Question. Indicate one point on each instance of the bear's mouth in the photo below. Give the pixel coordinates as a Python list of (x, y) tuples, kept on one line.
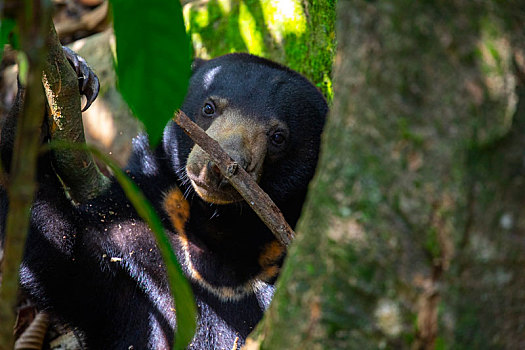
[(217, 192)]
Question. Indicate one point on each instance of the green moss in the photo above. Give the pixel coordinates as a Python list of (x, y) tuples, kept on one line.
[(407, 134), (432, 243), (298, 34), (252, 37), (214, 28)]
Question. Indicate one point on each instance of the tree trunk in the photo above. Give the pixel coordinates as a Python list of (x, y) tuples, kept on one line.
[(297, 33), (413, 234)]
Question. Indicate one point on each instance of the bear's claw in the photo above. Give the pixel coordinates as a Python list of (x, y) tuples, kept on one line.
[(88, 83)]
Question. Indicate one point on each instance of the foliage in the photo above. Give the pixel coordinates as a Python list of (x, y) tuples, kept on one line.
[(153, 60), (299, 34), (6, 28)]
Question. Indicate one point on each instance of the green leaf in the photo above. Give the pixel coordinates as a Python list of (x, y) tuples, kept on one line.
[(23, 67), (6, 27), (153, 60)]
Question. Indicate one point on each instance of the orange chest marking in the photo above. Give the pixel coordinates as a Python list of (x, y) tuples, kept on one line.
[(271, 253), (268, 260), (178, 209)]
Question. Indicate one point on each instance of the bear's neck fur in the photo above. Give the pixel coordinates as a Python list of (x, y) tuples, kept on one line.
[(230, 253)]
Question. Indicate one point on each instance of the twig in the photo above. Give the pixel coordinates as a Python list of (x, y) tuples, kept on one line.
[(260, 202), (89, 21)]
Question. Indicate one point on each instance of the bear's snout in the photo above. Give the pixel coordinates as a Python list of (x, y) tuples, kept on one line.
[(245, 146)]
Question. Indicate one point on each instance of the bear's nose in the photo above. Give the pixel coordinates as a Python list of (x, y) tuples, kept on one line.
[(213, 168)]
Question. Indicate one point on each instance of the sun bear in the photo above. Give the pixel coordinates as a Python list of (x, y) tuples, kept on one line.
[(95, 265)]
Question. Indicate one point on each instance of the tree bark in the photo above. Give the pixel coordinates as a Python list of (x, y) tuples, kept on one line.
[(412, 236), (76, 169)]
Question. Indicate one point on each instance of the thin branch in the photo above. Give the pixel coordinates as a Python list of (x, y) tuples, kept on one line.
[(33, 19), (90, 21), (239, 178)]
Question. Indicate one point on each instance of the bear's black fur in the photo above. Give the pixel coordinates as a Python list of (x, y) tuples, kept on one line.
[(96, 265)]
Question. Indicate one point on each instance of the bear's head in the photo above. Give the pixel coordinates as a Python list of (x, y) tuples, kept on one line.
[(267, 117)]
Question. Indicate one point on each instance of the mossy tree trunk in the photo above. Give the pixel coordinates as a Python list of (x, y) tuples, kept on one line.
[(297, 33), (413, 234)]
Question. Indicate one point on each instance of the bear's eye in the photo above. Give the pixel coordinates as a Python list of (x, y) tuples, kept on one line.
[(278, 138), (208, 109)]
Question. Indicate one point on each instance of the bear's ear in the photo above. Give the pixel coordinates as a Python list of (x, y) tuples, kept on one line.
[(197, 63)]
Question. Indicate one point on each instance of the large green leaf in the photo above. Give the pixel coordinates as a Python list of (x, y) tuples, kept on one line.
[(153, 59), (6, 27)]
